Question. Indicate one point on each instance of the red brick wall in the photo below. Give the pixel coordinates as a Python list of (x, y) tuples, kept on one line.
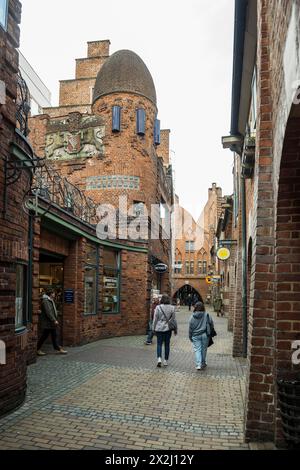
[(269, 341), (288, 257), (134, 302), (13, 225)]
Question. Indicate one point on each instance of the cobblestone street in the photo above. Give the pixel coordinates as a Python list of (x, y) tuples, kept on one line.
[(111, 395)]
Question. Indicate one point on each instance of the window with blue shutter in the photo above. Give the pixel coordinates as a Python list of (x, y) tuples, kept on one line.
[(157, 132), (140, 121), (116, 118)]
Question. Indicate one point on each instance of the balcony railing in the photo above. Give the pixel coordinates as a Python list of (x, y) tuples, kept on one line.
[(53, 188), (22, 105)]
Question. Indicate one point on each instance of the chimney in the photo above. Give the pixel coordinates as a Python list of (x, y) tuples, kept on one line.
[(163, 150), (98, 48)]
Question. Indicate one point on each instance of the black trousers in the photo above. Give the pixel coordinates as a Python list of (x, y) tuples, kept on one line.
[(45, 334)]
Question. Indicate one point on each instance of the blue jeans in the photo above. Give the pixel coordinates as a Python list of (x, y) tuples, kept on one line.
[(150, 333), (200, 344), (163, 337)]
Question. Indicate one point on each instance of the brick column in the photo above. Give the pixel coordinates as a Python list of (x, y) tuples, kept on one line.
[(260, 404), (73, 279)]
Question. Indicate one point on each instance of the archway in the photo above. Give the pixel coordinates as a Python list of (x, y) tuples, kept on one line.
[(183, 293), (287, 254)]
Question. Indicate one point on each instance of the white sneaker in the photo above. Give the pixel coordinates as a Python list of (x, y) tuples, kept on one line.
[(159, 362), (199, 368), (165, 363)]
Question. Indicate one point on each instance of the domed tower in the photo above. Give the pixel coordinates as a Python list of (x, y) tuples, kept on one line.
[(125, 99)]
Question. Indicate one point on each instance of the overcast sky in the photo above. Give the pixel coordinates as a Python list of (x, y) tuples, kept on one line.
[(187, 46)]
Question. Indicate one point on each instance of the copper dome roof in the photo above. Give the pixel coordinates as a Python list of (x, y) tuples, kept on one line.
[(124, 71)]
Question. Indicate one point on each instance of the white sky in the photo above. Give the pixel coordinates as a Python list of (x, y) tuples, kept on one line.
[(187, 46)]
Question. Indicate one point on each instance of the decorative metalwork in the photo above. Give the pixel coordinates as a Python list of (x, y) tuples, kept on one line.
[(49, 186), (22, 105)]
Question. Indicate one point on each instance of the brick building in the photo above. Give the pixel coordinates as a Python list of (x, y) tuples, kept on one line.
[(265, 139), (16, 165), (100, 146), (101, 150), (194, 249)]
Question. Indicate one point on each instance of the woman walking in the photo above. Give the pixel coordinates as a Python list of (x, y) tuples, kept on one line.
[(164, 322), (200, 327)]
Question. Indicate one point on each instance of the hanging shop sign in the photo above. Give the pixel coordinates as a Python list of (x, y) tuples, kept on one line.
[(161, 268), (223, 254), (208, 280), (227, 243)]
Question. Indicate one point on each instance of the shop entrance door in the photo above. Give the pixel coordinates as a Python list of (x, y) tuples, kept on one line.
[(52, 277)]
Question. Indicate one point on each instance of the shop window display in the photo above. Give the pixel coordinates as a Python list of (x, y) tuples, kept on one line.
[(111, 281)]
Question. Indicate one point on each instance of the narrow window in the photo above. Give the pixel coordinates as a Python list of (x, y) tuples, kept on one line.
[(138, 208), (140, 121), (200, 267), (187, 267), (111, 281), (204, 267), (157, 132), (192, 267), (116, 118), (21, 301), (3, 13), (90, 280)]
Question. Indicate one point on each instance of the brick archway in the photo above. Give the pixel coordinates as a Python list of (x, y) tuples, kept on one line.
[(186, 289), (287, 257)]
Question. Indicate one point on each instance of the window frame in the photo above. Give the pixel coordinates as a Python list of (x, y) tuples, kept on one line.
[(119, 277), (141, 122), (19, 327), (116, 118), (5, 10), (96, 266)]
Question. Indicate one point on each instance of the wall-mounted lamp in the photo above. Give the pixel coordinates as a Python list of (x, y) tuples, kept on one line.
[(232, 141)]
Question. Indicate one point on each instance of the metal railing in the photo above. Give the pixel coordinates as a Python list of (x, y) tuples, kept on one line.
[(53, 188)]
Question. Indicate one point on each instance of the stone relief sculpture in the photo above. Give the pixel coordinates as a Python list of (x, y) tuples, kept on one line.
[(76, 137)]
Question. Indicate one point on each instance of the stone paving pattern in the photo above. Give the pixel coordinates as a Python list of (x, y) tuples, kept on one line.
[(111, 395)]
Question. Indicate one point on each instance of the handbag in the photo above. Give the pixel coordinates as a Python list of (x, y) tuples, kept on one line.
[(212, 334), (171, 322)]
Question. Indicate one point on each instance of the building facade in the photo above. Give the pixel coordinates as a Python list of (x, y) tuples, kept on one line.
[(265, 141), (16, 169), (102, 165), (40, 95), (194, 259)]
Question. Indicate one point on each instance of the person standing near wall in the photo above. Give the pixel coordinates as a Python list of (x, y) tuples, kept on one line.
[(49, 323)]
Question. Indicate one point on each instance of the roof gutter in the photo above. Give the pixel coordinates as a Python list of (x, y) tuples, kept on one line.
[(238, 58)]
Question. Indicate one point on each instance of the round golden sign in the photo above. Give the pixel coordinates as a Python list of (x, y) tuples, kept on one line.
[(223, 254)]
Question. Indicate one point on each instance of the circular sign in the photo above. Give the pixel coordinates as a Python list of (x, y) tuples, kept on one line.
[(223, 254), (161, 268), (208, 280)]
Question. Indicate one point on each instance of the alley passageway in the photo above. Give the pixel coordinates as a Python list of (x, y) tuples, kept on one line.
[(111, 395)]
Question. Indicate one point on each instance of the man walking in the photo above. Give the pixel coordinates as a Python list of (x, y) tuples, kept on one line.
[(49, 323)]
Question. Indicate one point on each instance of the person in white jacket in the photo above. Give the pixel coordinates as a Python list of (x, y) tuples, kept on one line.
[(163, 321)]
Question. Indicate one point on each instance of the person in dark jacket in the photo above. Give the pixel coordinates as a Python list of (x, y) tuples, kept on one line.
[(49, 323), (200, 327), (190, 301)]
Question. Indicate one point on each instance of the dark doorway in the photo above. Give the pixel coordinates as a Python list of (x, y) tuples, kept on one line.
[(51, 276), (186, 292)]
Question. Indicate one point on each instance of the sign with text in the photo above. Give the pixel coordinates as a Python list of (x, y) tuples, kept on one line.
[(161, 268), (69, 296)]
